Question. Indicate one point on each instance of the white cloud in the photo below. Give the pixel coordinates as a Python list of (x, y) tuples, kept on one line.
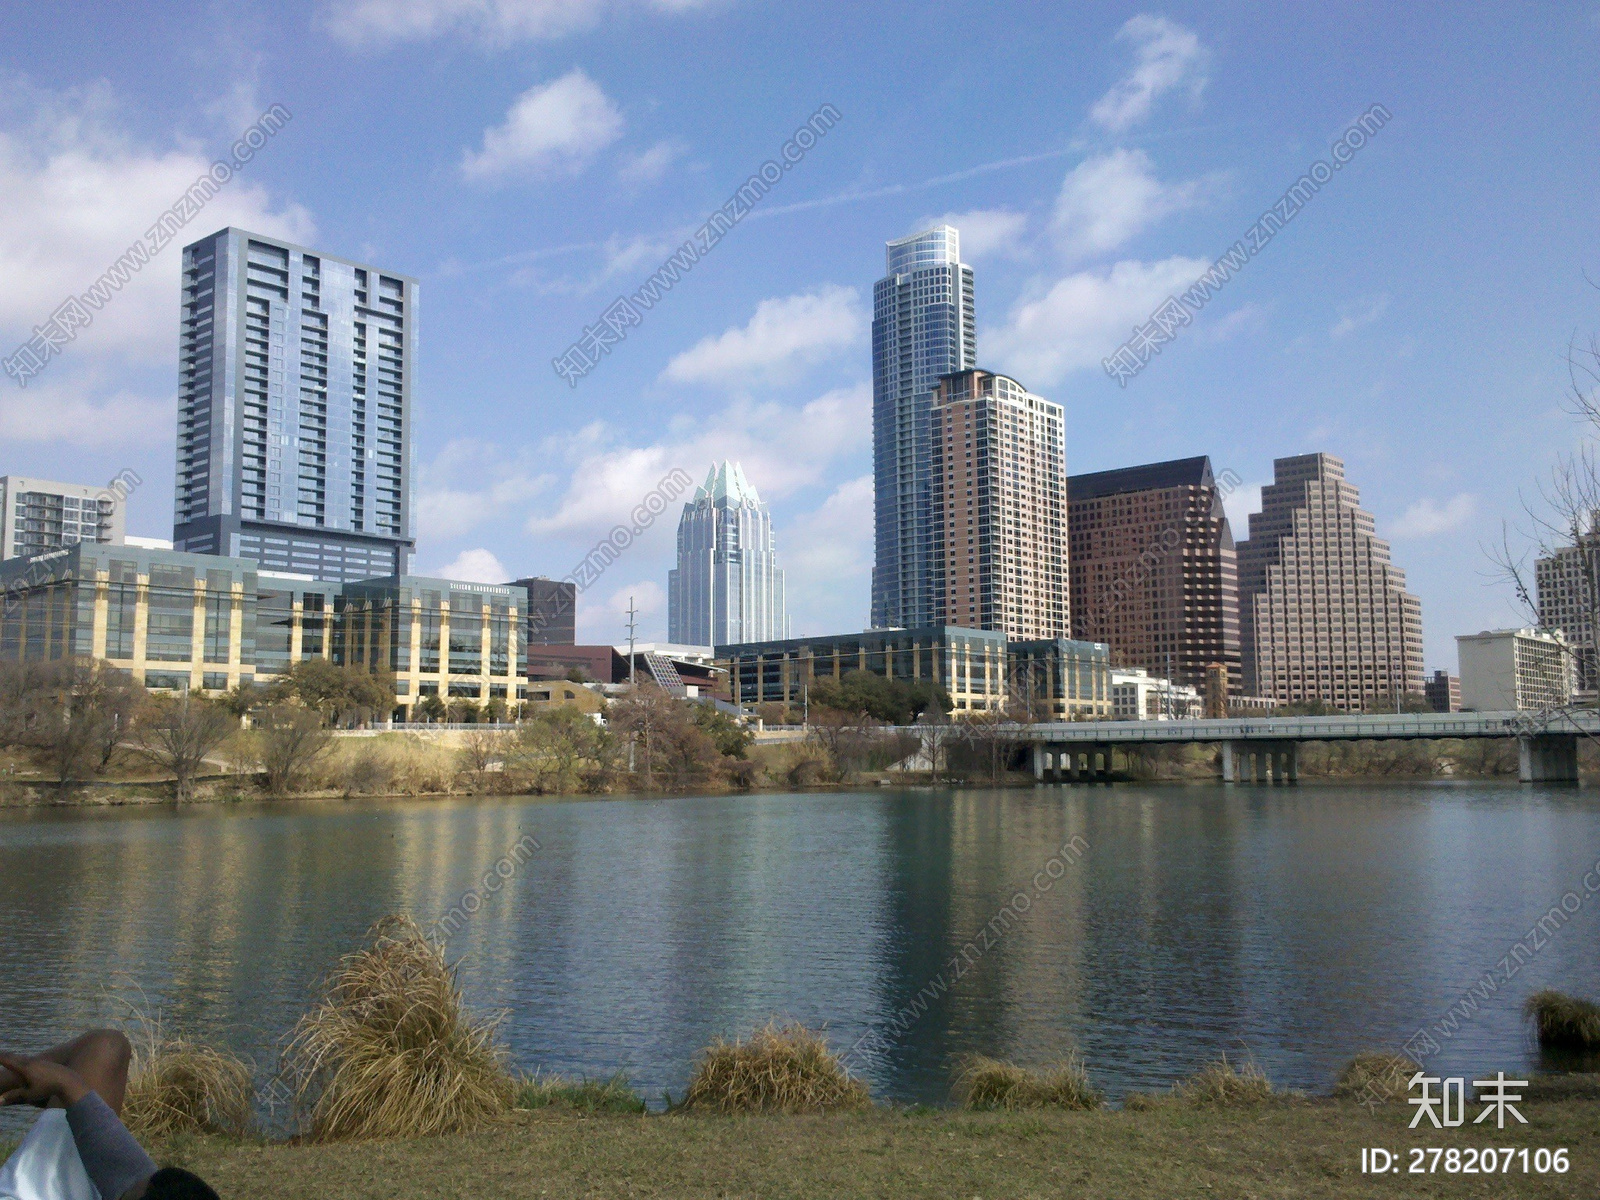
[(554, 128), (984, 231), (474, 566), (1356, 316), (603, 622), (78, 191), (1083, 318), (783, 448), (650, 165), (83, 408), (1110, 198), (783, 337), (469, 484), (1165, 56), (497, 22), (827, 559), (1239, 504), (1426, 517), (1249, 317)]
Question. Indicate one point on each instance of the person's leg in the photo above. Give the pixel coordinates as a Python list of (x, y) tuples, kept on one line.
[(101, 1058)]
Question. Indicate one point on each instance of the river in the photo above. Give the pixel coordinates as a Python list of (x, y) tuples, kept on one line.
[(1296, 925)]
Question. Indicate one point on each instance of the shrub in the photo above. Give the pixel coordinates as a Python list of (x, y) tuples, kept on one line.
[(1223, 1084), (1376, 1074), (1564, 1022), (390, 1050), (989, 1083), (780, 1069), (177, 1086), (614, 1095)]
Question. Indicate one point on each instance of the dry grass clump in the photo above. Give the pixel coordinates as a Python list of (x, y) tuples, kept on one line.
[(1564, 1022), (1376, 1074), (780, 1069), (989, 1083), (178, 1086), (1221, 1083), (614, 1095), (390, 1051)]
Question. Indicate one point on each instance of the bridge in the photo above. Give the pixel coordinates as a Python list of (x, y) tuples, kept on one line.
[(1266, 749)]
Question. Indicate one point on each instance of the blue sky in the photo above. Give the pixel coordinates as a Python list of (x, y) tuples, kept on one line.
[(529, 160)]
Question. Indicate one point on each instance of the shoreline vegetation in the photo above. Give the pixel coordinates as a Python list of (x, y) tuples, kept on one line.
[(389, 1086), (76, 731)]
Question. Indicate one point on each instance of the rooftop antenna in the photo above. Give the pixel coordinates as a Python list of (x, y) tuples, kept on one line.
[(632, 630)]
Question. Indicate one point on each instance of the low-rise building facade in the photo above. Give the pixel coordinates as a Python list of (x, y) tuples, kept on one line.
[(969, 664), (1137, 695), (1059, 679), (41, 515), (1442, 691), (204, 623), (1514, 670)]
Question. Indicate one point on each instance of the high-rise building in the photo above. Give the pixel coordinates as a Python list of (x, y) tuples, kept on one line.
[(1154, 572), (727, 587), (40, 515), (294, 409), (922, 328), (1323, 612), (999, 508), (1568, 583)]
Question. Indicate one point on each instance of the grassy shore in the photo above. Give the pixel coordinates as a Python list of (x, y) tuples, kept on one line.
[(1288, 1149)]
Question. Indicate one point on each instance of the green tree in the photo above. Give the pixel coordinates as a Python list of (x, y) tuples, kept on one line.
[(431, 708), (560, 749), (731, 738), (894, 701)]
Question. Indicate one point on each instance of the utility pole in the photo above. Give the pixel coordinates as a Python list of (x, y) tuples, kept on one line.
[(633, 626)]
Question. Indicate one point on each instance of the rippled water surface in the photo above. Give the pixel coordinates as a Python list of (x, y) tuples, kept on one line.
[(1297, 925)]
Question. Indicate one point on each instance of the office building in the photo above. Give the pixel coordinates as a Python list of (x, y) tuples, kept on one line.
[(1058, 679), (295, 385), (1515, 670), (1442, 690), (727, 587), (1154, 571), (968, 664), (207, 623), (1568, 584), (999, 508), (922, 329), (1323, 612), (40, 515), (552, 610)]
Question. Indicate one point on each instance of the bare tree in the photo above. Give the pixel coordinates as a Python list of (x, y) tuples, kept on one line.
[(289, 742), (88, 709), (1561, 520), (178, 734)]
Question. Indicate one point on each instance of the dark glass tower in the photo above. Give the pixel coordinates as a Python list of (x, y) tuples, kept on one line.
[(922, 328)]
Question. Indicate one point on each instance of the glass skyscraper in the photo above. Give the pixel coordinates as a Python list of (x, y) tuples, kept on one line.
[(294, 409), (922, 328), (727, 587)]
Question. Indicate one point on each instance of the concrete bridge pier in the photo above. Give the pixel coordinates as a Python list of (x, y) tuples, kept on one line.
[(1260, 762), (1548, 758)]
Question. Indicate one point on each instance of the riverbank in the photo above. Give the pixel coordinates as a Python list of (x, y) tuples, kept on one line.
[(1294, 1148)]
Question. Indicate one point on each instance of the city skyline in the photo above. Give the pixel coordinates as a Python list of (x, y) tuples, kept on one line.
[(1078, 212)]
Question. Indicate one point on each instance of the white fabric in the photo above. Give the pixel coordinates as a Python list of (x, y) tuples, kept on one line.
[(46, 1166)]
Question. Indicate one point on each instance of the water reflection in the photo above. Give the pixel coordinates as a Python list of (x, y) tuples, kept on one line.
[(1298, 926)]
